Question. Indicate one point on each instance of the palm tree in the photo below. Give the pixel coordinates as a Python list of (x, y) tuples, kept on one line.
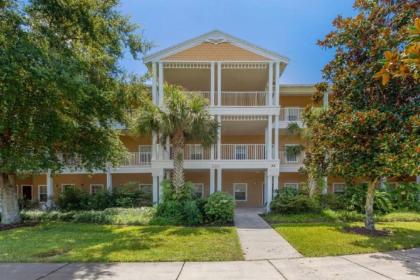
[(182, 117)]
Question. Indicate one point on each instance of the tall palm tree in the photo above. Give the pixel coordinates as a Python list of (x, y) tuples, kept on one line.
[(182, 117)]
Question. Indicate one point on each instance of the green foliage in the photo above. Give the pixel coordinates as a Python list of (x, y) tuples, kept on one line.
[(293, 128), (219, 208), (291, 201), (73, 199), (355, 196), (405, 196), (192, 213)]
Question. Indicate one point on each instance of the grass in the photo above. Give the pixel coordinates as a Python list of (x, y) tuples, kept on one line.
[(315, 235), (73, 242)]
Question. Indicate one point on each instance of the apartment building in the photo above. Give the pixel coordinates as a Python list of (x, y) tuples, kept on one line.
[(255, 153)]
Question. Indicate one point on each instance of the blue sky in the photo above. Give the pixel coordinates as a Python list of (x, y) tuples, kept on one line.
[(289, 27)]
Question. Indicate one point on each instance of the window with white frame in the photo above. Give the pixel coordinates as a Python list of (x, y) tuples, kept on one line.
[(196, 151), (241, 152), (291, 186), (65, 187), (146, 188), (240, 191), (199, 190), (42, 193), (145, 152), (96, 188), (291, 153), (339, 187), (292, 114)]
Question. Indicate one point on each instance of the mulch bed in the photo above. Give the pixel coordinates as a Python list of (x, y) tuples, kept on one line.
[(12, 226), (364, 231)]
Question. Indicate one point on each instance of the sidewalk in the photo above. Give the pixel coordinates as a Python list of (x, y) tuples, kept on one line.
[(259, 241), (393, 265)]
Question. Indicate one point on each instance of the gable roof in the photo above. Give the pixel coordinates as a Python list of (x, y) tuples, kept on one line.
[(215, 37)]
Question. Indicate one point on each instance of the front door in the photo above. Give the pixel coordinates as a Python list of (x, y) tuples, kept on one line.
[(27, 192)]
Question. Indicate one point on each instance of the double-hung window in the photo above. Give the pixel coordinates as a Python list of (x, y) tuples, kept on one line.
[(196, 151), (241, 152), (240, 191), (292, 114), (96, 188), (198, 190), (339, 188), (42, 193), (291, 154), (146, 188), (145, 153), (291, 186), (65, 187)]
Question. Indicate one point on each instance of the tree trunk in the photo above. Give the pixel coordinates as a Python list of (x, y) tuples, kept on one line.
[(311, 184), (9, 203), (178, 150), (369, 222)]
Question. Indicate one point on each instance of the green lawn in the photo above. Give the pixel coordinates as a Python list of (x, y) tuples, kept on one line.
[(316, 235), (70, 242)]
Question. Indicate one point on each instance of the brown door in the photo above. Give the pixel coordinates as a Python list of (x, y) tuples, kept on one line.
[(27, 192)]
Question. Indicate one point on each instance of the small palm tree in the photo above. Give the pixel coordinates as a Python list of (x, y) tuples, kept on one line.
[(183, 117)]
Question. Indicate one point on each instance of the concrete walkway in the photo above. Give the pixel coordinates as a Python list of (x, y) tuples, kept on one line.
[(394, 265), (259, 241)]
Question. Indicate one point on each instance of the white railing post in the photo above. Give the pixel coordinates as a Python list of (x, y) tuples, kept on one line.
[(212, 175), (277, 81), (219, 137), (219, 179), (276, 137), (155, 186), (50, 189), (160, 84), (154, 83), (154, 145), (212, 84), (109, 180), (270, 137), (219, 83), (269, 191), (270, 83)]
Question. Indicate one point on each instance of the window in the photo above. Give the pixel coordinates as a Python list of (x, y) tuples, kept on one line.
[(291, 186), (240, 190), (339, 187), (241, 152), (96, 188), (146, 188), (65, 187), (145, 153), (291, 153), (42, 193), (199, 190), (292, 114), (196, 151)]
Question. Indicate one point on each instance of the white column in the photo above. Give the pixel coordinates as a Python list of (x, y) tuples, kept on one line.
[(219, 179), (154, 145), (275, 185), (160, 83), (109, 180), (212, 84), (269, 191), (155, 187), (277, 81), (154, 83), (212, 152), (219, 83), (266, 142), (160, 187), (276, 137), (270, 137), (270, 83), (325, 185), (265, 188), (212, 174), (219, 138), (417, 179), (325, 100), (50, 189)]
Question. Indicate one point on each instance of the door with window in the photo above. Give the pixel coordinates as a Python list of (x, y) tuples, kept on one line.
[(27, 192)]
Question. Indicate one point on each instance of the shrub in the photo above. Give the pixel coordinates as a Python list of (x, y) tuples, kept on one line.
[(192, 214), (101, 200), (73, 199), (169, 212), (355, 199), (287, 202), (405, 196), (219, 208)]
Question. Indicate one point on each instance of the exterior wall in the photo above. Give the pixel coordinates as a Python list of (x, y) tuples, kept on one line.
[(132, 143), (295, 101), (216, 52), (291, 178), (255, 182), (121, 179)]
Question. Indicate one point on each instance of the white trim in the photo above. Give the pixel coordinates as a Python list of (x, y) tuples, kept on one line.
[(92, 185), (290, 185), (215, 36), (340, 183), (39, 193), (62, 186), (246, 191)]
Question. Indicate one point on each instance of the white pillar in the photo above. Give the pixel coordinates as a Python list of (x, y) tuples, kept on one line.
[(325, 100), (275, 184), (417, 179), (219, 83), (155, 187), (212, 152), (154, 83), (325, 185), (219, 179), (50, 189), (160, 83), (219, 138), (277, 81), (212, 84), (212, 174), (265, 188), (160, 187), (154, 145), (270, 83), (276, 137), (270, 137), (269, 191), (109, 180)]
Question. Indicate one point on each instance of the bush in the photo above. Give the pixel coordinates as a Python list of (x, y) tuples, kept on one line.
[(169, 212), (405, 196), (291, 201), (355, 199), (101, 201), (73, 199), (219, 208), (192, 214)]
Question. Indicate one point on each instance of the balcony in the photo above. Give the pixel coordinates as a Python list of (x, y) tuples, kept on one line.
[(143, 158), (290, 157), (291, 114), (243, 152), (236, 98), (195, 152)]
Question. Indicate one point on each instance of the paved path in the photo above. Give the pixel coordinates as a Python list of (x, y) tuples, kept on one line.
[(259, 240), (402, 265)]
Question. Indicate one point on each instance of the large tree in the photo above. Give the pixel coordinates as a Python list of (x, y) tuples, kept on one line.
[(371, 128), (182, 117), (61, 87)]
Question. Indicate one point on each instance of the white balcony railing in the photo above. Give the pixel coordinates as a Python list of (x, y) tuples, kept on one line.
[(143, 158), (289, 157), (291, 114), (195, 152), (244, 98), (204, 94), (243, 151)]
